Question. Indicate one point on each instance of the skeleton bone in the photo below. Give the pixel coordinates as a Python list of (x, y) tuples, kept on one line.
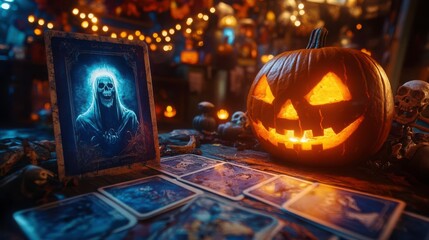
[(106, 90), (240, 118), (410, 100)]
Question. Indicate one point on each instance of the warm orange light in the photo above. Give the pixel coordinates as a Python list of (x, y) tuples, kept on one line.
[(366, 51), (328, 140), (262, 91), (358, 26), (94, 20), (178, 27), (31, 19), (167, 39), (222, 114), (94, 28), (189, 21), (287, 111), (123, 34), (212, 10), (152, 47), (47, 106), (329, 90), (41, 22), (164, 33), (155, 35), (170, 112), (50, 25), (34, 117), (141, 37), (113, 35), (148, 40), (84, 24), (105, 28), (137, 33), (82, 15), (75, 11), (130, 37), (171, 31), (189, 56), (37, 32), (266, 58), (158, 39)]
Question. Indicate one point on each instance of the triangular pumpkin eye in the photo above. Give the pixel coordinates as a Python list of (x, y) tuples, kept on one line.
[(329, 90), (262, 91), (288, 111)]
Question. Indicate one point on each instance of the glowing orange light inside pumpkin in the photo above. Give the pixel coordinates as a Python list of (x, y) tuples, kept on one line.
[(222, 114), (262, 91), (170, 111), (328, 140), (287, 111), (329, 90)]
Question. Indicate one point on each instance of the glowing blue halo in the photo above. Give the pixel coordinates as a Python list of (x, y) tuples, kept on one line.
[(99, 70)]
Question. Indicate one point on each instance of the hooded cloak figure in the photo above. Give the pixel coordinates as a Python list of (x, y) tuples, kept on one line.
[(107, 123)]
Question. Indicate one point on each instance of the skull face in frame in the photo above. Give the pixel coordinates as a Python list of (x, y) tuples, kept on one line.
[(106, 90)]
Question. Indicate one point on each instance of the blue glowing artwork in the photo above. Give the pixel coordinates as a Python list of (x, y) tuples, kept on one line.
[(103, 100)]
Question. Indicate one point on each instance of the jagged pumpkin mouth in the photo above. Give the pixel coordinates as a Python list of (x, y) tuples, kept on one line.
[(328, 140)]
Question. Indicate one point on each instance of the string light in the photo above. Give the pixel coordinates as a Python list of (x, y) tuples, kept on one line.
[(84, 24), (113, 35), (41, 22), (94, 28), (141, 37), (50, 25), (75, 11), (82, 15), (31, 19), (130, 37), (90, 15), (105, 28)]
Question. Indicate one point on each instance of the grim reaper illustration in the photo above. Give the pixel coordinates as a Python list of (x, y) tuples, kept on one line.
[(107, 123)]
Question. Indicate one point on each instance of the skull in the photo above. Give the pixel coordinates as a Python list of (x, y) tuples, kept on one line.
[(239, 118), (106, 90), (410, 100)]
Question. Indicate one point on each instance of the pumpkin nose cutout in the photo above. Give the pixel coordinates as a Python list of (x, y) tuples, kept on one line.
[(329, 90), (287, 111), (263, 91)]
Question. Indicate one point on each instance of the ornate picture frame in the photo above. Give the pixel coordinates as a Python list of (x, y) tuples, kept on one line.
[(102, 103)]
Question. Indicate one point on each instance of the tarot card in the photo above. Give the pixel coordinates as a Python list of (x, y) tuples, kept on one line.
[(102, 103), (82, 217), (226, 179), (182, 164), (411, 226), (278, 190), (149, 196), (349, 213), (212, 218)]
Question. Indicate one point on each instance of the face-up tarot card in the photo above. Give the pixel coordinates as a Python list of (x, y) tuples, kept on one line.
[(411, 226), (278, 190), (212, 218), (149, 196), (83, 217), (182, 164), (349, 213), (227, 179)]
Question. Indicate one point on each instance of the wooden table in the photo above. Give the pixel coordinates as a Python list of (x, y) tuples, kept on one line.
[(375, 181)]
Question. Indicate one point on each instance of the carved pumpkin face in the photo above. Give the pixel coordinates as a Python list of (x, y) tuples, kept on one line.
[(323, 106)]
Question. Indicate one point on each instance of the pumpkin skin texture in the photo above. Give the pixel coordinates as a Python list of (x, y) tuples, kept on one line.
[(321, 106)]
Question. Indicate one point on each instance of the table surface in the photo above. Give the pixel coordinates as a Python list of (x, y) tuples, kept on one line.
[(374, 181)]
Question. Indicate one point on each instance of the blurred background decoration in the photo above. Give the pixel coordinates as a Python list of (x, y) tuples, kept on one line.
[(203, 50)]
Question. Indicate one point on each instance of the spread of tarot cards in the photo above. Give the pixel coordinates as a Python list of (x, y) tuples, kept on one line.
[(147, 197), (213, 218), (278, 190), (82, 217), (226, 179), (411, 226), (180, 165), (348, 213)]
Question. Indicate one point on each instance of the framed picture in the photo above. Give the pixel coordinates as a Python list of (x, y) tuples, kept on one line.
[(102, 103)]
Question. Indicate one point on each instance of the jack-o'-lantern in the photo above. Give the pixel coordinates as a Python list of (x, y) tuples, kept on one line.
[(321, 105)]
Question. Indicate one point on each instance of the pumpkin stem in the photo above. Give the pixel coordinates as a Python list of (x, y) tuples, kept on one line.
[(317, 38)]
